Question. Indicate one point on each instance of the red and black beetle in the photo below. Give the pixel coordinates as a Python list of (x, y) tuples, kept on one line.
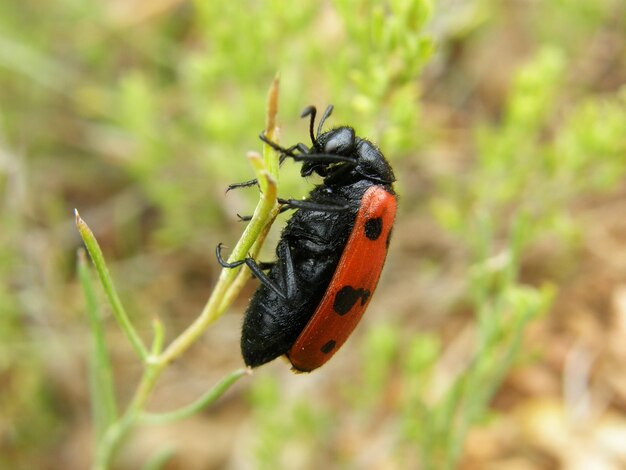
[(330, 254)]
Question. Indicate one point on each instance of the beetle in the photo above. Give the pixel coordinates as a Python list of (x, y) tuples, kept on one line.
[(330, 254)]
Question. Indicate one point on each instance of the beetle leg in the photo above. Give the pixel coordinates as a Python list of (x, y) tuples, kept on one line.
[(304, 156), (337, 173), (244, 218), (265, 265), (288, 274), (262, 277), (255, 268), (245, 184), (312, 206), (303, 148), (323, 158), (284, 152), (247, 218), (222, 262)]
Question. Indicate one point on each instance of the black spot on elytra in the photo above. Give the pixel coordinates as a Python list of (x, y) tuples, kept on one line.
[(328, 347), (347, 297), (373, 228)]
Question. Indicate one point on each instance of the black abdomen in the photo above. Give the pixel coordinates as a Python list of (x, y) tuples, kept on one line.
[(309, 250)]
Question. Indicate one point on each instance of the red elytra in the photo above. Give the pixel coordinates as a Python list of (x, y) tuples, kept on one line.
[(352, 284)]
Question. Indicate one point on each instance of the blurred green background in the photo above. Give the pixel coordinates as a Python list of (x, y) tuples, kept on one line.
[(495, 339)]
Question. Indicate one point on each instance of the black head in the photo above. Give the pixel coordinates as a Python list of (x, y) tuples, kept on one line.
[(363, 159)]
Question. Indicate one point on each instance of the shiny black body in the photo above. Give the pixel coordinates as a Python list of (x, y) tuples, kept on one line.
[(313, 240)]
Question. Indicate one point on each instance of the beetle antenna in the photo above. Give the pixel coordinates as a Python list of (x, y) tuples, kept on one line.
[(310, 111), (327, 113)]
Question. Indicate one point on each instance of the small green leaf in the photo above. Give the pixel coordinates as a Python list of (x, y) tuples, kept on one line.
[(205, 400), (159, 460), (107, 283), (103, 403)]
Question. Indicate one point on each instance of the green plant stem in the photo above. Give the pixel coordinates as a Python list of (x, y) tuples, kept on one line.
[(155, 364), (118, 430), (110, 441), (209, 397), (159, 336), (104, 406), (160, 459), (214, 307), (245, 274), (109, 288), (228, 285), (266, 171)]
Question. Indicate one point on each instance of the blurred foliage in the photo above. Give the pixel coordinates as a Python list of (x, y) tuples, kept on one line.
[(497, 116), (306, 427)]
